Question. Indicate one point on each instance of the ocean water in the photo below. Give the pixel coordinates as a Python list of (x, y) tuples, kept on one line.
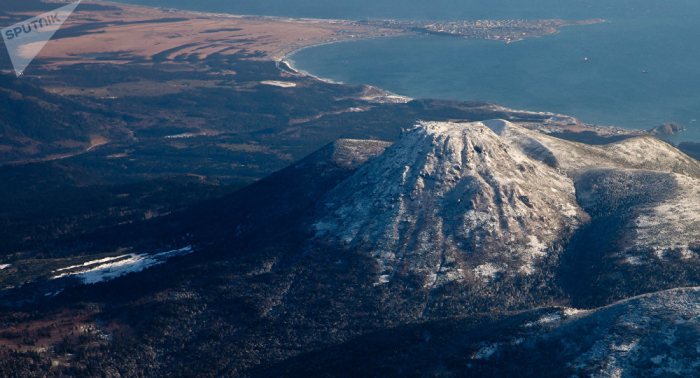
[(542, 74)]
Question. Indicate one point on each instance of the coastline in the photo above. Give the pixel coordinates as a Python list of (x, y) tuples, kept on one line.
[(274, 39), (287, 60), (285, 53), (558, 123), (381, 96), (340, 30)]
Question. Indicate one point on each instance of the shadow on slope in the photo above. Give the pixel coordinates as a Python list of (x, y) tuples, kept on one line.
[(605, 261)]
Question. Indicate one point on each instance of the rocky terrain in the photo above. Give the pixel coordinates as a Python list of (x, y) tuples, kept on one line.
[(667, 129)]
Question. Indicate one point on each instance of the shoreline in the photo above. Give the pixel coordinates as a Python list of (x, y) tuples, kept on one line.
[(386, 96), (289, 62), (559, 123), (284, 56), (284, 43), (287, 59)]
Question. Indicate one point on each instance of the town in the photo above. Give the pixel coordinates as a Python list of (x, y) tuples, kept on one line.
[(506, 30)]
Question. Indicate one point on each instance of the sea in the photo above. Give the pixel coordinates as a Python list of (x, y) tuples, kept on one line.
[(639, 69)]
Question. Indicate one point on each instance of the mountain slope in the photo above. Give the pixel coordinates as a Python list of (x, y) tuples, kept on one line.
[(485, 202), (645, 152), (663, 208), (311, 271), (260, 215), (643, 235), (451, 200), (654, 335), (35, 123), (642, 196)]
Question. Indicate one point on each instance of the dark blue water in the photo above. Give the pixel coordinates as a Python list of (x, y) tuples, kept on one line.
[(542, 74), (435, 9)]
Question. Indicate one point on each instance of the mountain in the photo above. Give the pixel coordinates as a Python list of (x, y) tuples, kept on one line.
[(459, 202), (448, 201), (441, 253)]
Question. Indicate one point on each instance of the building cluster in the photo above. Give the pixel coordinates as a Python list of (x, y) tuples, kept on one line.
[(480, 29)]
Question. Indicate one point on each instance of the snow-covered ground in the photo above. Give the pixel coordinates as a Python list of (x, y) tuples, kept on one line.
[(545, 319), (660, 328), (645, 152), (673, 223), (652, 335), (112, 267), (669, 223), (281, 84), (487, 271), (492, 198), (486, 351), (444, 191)]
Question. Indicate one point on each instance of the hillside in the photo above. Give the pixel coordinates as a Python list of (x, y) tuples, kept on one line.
[(644, 152), (316, 262), (448, 201), (654, 335), (36, 124)]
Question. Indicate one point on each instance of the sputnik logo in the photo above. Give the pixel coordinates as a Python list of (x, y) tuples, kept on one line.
[(26, 39)]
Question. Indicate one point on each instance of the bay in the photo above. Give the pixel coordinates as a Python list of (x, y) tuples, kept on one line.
[(642, 67)]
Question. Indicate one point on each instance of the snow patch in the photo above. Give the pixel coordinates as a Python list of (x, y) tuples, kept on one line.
[(281, 84), (489, 349), (545, 319), (624, 347), (184, 136), (633, 260), (93, 262), (486, 352), (568, 312), (113, 267), (536, 245), (486, 272)]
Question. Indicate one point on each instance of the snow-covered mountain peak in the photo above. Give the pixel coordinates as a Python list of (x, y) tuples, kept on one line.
[(448, 201)]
